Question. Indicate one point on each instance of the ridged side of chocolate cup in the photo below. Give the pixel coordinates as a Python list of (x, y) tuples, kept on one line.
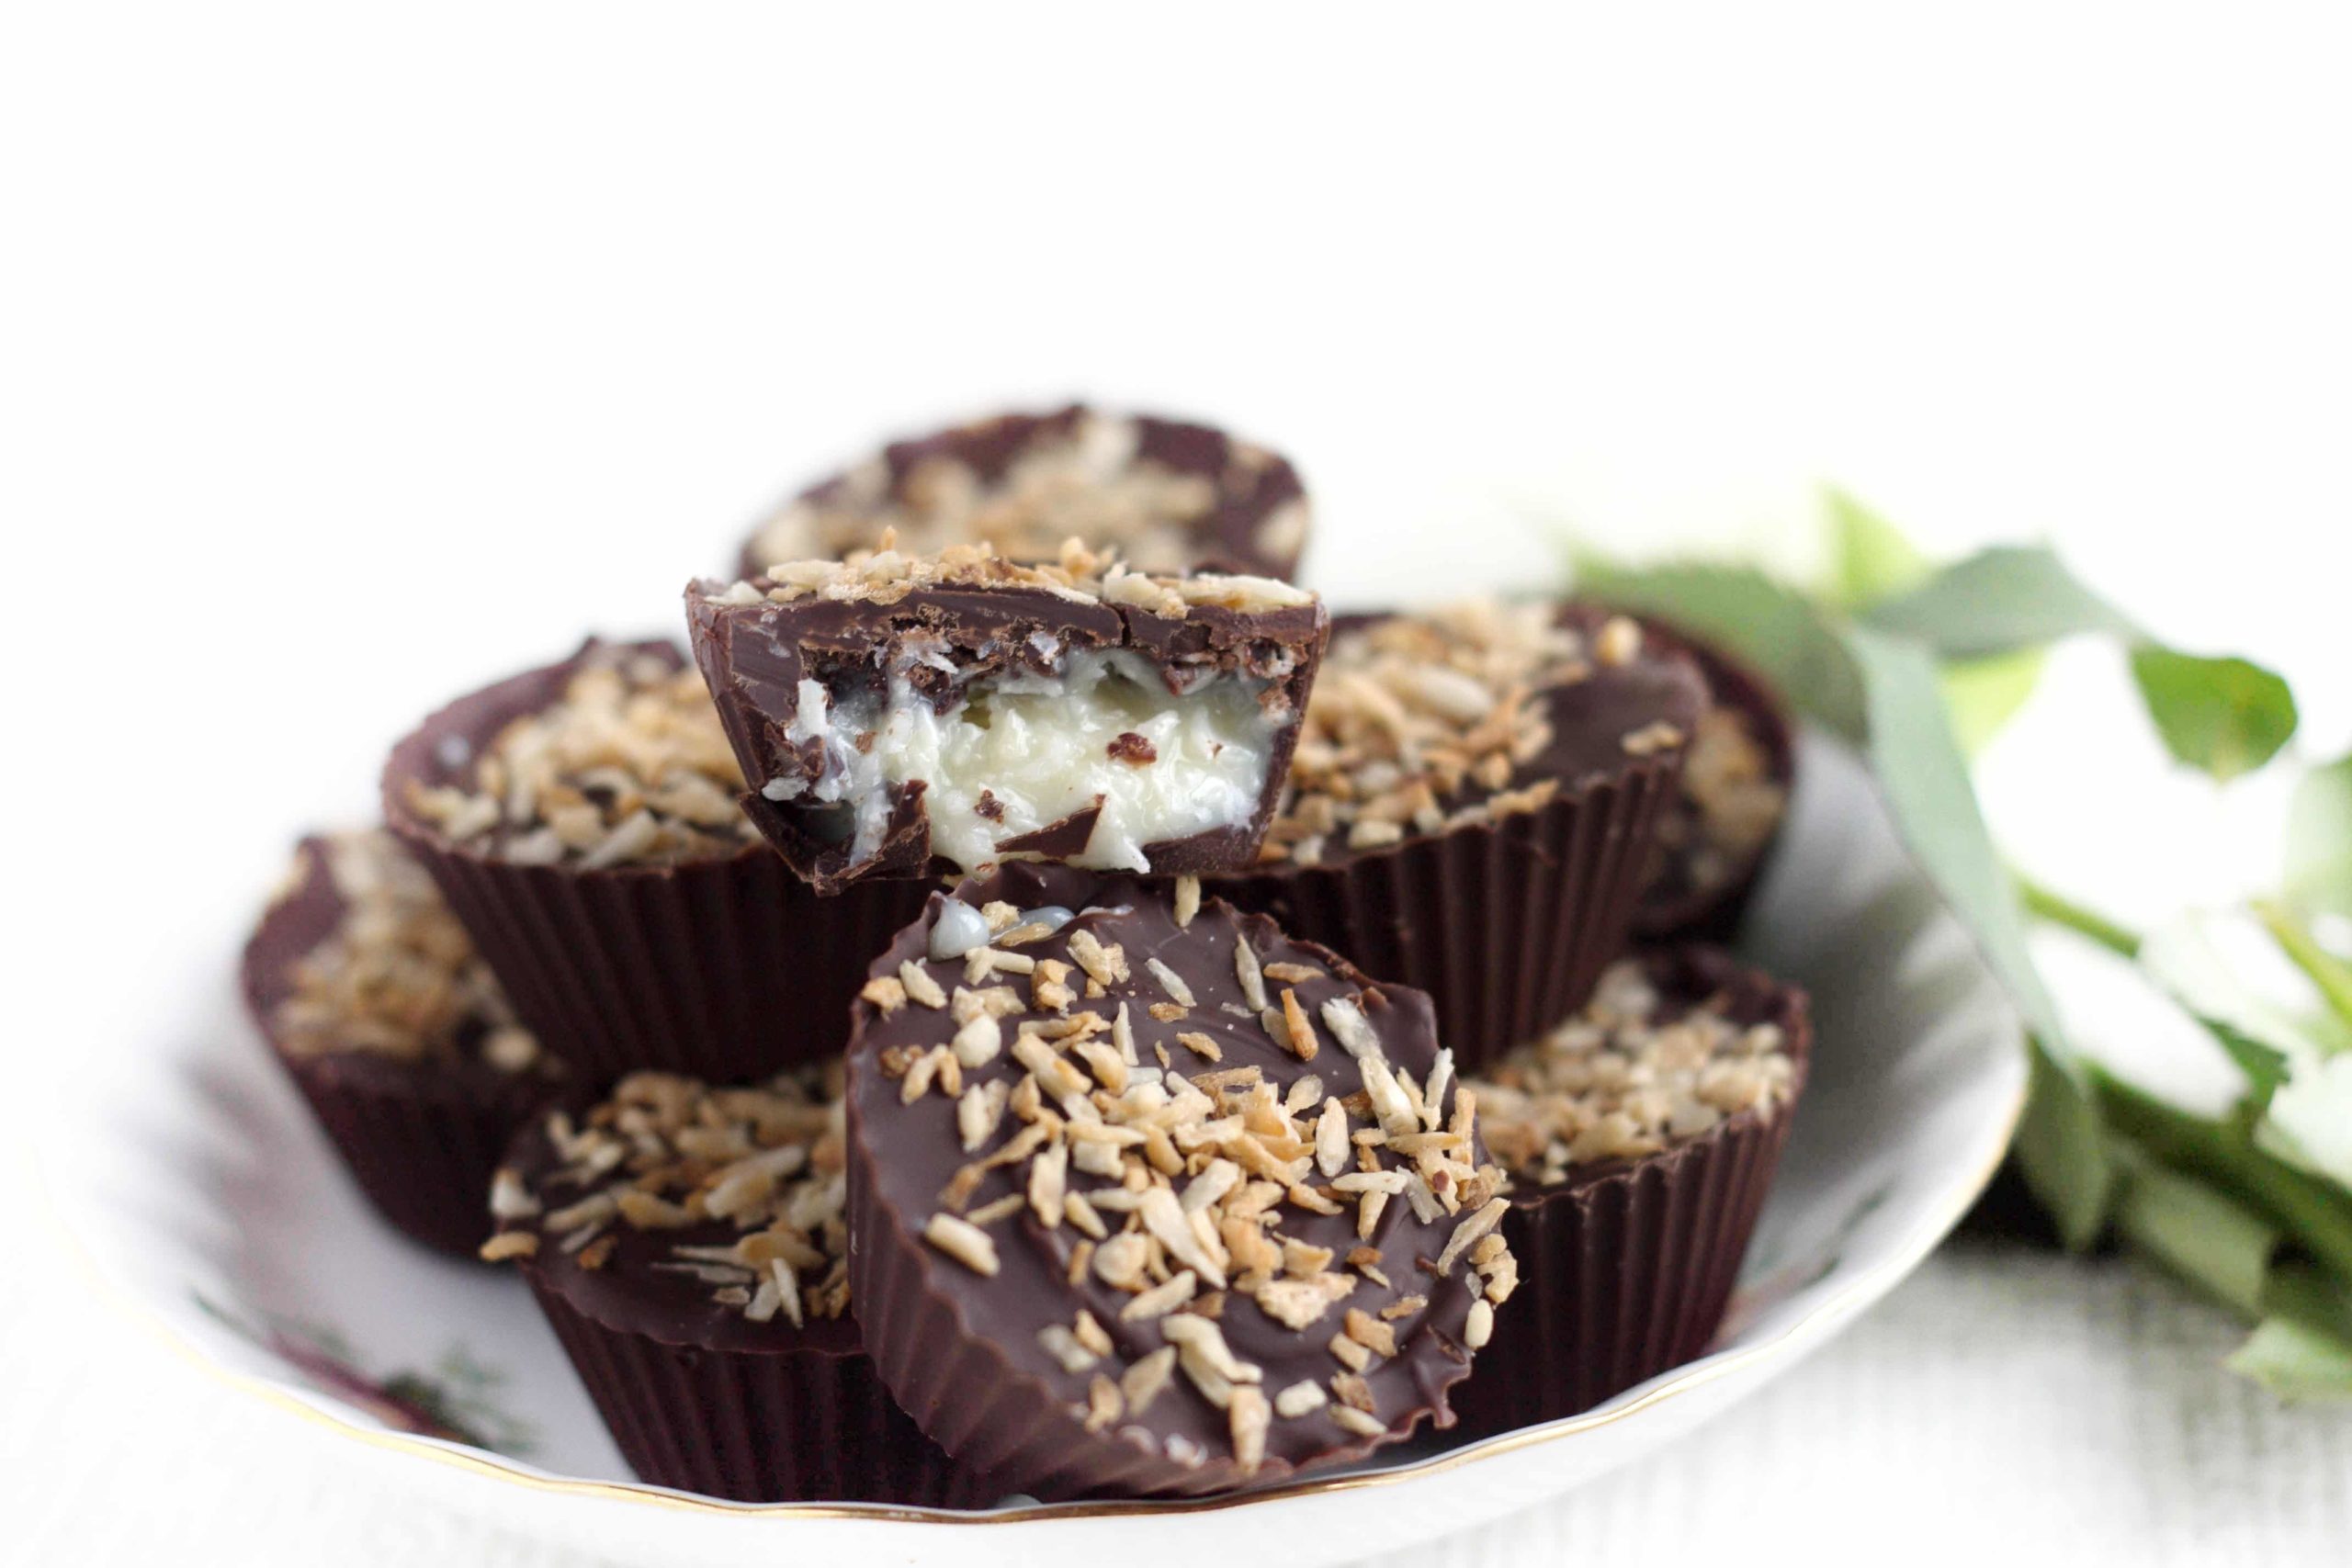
[(1232, 537), (421, 1138), (729, 969), (1712, 914), (793, 1426), (963, 1391), (1625, 1270), (422, 1146), (726, 970), (1507, 925), (960, 1389)]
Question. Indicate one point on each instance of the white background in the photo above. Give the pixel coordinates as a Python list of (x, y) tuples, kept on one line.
[(350, 356)]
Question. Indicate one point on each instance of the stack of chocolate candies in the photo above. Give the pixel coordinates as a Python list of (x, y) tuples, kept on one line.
[(1013, 1022)]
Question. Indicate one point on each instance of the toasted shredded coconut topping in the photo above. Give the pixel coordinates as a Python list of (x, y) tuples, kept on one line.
[(1631, 1074), (1074, 571), (629, 767), (1088, 482), (1182, 1179), (1425, 722), (398, 975), (1729, 805), (669, 1153)]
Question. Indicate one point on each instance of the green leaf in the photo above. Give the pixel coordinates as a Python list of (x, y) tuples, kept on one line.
[(2309, 1123), (2328, 974), (1925, 781), (2266, 1066), (1869, 557), (1776, 630), (2319, 840), (2187, 968), (1984, 693), (2295, 1361), (2225, 716), (2184, 957), (2062, 1152), (2215, 1243), (1999, 601)]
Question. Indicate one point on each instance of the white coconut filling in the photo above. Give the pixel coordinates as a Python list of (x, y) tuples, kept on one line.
[(1040, 748)]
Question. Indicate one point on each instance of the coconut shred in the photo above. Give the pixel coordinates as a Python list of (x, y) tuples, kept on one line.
[(1019, 754)]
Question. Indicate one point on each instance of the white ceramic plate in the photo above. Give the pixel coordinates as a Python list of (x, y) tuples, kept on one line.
[(208, 1204)]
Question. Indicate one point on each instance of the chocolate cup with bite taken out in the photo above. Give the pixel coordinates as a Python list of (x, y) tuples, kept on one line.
[(808, 682)]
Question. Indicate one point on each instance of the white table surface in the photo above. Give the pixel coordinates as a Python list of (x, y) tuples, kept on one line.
[(2003, 1405)]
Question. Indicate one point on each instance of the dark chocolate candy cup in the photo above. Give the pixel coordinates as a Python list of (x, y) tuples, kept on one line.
[(965, 1392), (971, 1398), (1505, 924), (420, 1137), (803, 1423), (421, 1144), (935, 1352), (1232, 537), (728, 969), (1712, 914), (1625, 1270)]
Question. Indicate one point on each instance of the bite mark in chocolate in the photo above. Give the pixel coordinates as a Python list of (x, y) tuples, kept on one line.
[(895, 714)]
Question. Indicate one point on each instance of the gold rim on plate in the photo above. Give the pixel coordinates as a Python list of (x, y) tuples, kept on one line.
[(1914, 1249)]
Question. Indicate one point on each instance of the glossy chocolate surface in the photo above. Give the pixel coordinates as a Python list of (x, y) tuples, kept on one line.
[(904, 1155)]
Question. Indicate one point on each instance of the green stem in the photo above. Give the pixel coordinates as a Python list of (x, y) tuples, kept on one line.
[(2208, 1237), (2329, 973), (2316, 1216), (2059, 910), (2225, 1249), (2305, 1295)]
